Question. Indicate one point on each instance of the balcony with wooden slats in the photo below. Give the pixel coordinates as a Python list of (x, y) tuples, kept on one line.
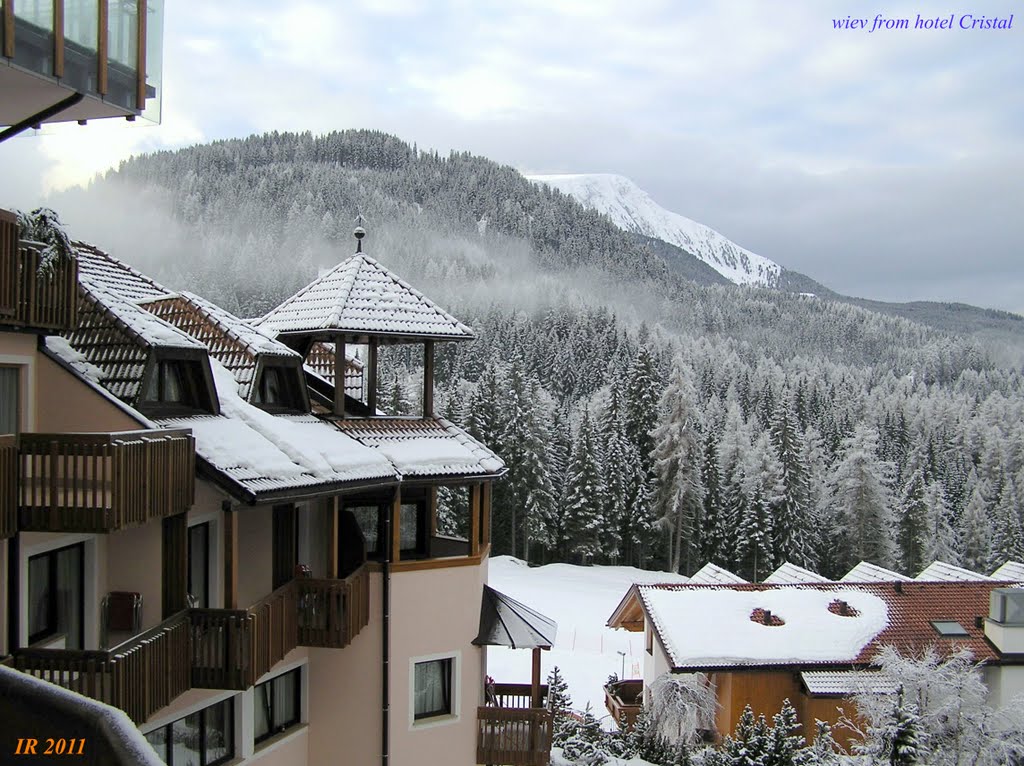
[(8, 485), (514, 736), (32, 297), (624, 700), (103, 482)]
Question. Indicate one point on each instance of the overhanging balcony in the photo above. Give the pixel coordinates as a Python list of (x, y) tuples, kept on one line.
[(103, 482), (44, 299)]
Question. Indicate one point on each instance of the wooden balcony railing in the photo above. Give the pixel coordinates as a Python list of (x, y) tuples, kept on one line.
[(623, 699), (513, 736), (8, 485), (29, 298), (516, 695), (332, 612), (104, 482), (139, 676)]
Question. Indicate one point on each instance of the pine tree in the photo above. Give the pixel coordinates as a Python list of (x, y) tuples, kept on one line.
[(976, 531), (749, 744), (939, 542), (785, 744), (792, 536), (584, 498), (559, 703), (912, 525), (762, 493), (1008, 534)]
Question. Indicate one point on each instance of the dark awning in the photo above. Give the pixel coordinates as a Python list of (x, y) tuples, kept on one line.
[(506, 622)]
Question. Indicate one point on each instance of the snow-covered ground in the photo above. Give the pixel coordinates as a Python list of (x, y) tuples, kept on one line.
[(580, 599), (632, 209)]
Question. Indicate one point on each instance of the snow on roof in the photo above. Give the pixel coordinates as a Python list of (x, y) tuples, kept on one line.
[(264, 452), (840, 683), (361, 297), (1011, 570), (710, 574), (712, 627), (943, 572), (791, 573), (865, 571), (425, 446), (233, 342), (146, 327), (101, 268)]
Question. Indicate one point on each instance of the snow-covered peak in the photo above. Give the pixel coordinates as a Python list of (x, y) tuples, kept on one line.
[(632, 209)]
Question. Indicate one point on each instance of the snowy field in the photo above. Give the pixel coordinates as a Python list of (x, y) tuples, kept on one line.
[(580, 599)]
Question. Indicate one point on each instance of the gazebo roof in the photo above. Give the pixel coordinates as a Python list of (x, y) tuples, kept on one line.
[(507, 622), (359, 299)]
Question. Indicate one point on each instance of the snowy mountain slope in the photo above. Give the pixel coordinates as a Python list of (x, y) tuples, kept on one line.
[(632, 209)]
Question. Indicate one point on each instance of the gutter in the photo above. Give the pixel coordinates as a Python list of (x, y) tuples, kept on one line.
[(385, 671)]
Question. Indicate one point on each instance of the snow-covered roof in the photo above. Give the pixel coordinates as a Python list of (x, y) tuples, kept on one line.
[(840, 683), (320, 361), (422, 447), (118, 277), (941, 571), (791, 573), (710, 574), (361, 298), (865, 571), (713, 627), (233, 342), (1011, 570)]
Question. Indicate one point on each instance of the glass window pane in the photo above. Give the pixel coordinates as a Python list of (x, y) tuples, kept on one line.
[(33, 35), (409, 524), (9, 400), (286, 712), (158, 739), (432, 688), (81, 43), (185, 740), (39, 597), (69, 596), (367, 515), (220, 737), (173, 382), (198, 564), (262, 711)]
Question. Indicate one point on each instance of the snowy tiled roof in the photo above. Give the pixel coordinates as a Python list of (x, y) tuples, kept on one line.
[(710, 574), (791, 573), (706, 626), (320, 360), (359, 297), (865, 571), (231, 341), (1011, 570), (425, 447), (120, 278), (941, 571), (840, 683)]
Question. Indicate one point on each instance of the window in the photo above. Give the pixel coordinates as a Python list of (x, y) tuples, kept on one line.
[(176, 386), (432, 688), (9, 397), (279, 390), (204, 738), (55, 597), (368, 518), (649, 639), (949, 628), (276, 705), (199, 564)]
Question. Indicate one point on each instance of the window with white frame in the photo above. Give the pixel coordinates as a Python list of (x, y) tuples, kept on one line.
[(433, 680)]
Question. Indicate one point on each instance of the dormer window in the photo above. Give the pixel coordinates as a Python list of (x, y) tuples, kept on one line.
[(280, 389), (177, 387)]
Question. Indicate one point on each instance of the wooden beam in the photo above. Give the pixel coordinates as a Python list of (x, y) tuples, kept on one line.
[(174, 552), (396, 527), (485, 514), (140, 57), (8, 29), (428, 379), (102, 46), (58, 38), (339, 378), (230, 517), (371, 376), (333, 514), (535, 680), (474, 519)]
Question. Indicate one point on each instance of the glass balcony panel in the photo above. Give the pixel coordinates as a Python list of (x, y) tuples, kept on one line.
[(81, 44), (154, 60), (123, 51), (33, 35)]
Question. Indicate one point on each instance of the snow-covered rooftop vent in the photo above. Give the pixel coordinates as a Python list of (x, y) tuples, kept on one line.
[(865, 571), (712, 574), (791, 573), (942, 572), (1011, 570), (360, 299)]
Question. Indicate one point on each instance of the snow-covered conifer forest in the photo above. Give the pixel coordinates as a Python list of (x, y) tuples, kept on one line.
[(645, 419)]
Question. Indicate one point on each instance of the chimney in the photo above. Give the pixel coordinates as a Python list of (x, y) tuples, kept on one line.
[(898, 586), (767, 616)]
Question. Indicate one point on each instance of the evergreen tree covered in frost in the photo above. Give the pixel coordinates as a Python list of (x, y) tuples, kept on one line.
[(583, 507)]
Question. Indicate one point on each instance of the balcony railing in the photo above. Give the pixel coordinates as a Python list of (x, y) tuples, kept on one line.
[(513, 736), (623, 699), (29, 297), (104, 482), (332, 612), (139, 676), (8, 485)]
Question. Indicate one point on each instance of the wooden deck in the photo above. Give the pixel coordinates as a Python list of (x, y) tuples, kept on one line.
[(103, 482), (30, 298)]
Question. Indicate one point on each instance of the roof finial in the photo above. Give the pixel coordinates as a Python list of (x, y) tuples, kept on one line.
[(359, 232)]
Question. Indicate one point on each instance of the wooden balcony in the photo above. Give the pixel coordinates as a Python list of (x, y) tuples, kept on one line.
[(332, 612), (624, 700), (139, 676), (30, 298), (513, 736), (103, 482), (8, 485)]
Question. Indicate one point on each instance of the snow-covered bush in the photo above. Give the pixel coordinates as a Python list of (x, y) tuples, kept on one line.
[(682, 706)]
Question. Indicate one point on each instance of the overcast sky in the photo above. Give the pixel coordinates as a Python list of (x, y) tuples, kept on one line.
[(886, 164)]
